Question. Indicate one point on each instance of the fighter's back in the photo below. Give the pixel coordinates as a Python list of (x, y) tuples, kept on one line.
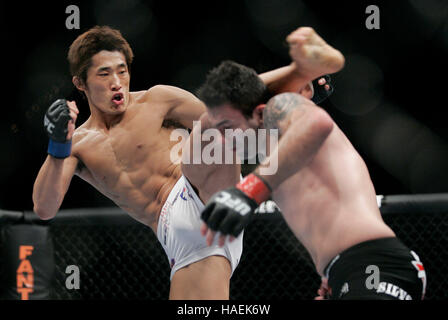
[(330, 204)]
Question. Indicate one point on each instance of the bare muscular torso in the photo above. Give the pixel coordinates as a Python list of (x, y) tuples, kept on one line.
[(330, 205), (130, 163)]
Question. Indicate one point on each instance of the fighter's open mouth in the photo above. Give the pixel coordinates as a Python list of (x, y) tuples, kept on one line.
[(117, 96)]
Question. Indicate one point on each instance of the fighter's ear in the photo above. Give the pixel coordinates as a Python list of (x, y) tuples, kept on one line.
[(257, 113), (259, 109), (78, 83)]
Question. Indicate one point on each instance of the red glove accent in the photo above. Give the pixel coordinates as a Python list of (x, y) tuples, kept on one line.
[(255, 188)]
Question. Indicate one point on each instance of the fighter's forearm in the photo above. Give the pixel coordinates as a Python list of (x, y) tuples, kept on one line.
[(302, 137), (48, 190), (285, 79)]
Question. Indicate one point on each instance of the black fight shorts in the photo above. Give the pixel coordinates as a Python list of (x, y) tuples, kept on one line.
[(381, 269)]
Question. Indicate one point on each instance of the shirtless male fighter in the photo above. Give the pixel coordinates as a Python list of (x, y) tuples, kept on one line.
[(322, 185), (123, 150)]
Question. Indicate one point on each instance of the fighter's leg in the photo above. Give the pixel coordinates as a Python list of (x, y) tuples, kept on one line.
[(313, 59), (312, 56), (207, 279), (208, 178)]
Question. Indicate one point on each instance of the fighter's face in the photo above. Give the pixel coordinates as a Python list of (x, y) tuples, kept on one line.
[(107, 85), (226, 117)]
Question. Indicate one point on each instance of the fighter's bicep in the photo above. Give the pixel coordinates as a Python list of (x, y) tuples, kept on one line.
[(181, 105)]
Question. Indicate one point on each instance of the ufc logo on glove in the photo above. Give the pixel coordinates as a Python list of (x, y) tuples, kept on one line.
[(236, 204)]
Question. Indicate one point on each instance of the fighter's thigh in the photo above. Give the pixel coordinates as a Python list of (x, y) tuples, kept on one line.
[(208, 278), (209, 179)]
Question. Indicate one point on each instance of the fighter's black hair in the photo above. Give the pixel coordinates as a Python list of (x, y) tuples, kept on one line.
[(234, 84)]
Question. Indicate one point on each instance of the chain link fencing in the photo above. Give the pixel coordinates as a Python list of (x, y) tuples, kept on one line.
[(121, 259)]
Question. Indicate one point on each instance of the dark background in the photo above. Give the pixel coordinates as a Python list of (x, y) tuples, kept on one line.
[(390, 99)]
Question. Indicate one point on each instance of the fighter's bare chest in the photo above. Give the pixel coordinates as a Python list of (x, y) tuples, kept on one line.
[(122, 155)]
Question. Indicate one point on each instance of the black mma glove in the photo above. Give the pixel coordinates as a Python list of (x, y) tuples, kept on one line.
[(320, 93), (56, 125), (229, 211)]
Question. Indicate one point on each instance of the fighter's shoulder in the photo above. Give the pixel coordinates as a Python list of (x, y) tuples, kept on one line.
[(79, 134), (282, 107), (161, 93), (82, 136)]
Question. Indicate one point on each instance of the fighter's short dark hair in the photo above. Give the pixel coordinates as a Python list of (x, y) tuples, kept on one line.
[(234, 84)]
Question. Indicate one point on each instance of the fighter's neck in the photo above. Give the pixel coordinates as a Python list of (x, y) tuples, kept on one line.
[(102, 120)]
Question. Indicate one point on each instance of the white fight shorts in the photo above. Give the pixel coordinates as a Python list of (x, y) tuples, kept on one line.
[(179, 233)]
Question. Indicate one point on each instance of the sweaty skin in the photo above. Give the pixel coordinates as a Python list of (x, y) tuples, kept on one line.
[(322, 185), (123, 150), (330, 203), (140, 184), (130, 162)]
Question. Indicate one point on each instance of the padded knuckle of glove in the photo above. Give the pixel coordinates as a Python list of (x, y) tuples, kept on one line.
[(56, 120), (216, 217)]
